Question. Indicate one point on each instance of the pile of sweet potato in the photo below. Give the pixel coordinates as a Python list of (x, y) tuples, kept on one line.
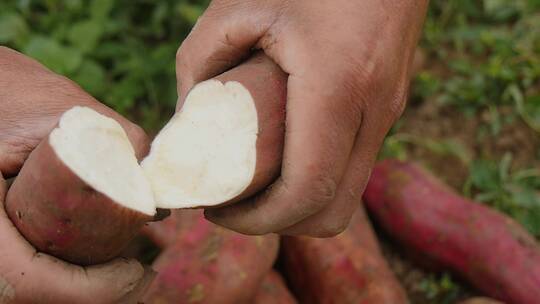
[(203, 263)]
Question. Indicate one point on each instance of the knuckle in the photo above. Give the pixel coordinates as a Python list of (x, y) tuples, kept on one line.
[(332, 228), (398, 102), (321, 191)]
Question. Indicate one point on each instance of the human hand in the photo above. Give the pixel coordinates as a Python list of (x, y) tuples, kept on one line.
[(31, 101), (348, 64)]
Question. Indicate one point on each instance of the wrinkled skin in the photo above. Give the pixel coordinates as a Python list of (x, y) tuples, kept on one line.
[(32, 100), (348, 64)]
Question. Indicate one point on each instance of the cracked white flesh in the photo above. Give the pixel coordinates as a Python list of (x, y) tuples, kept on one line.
[(206, 155), (97, 149)]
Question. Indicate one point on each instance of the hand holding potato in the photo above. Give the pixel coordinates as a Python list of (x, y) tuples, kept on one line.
[(31, 100), (348, 64)]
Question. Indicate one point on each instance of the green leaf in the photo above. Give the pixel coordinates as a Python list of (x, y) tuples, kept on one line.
[(525, 197), (85, 34), (531, 112), (189, 12), (504, 166), (12, 27), (100, 9), (484, 175), (91, 77), (57, 57), (501, 10), (123, 95), (530, 219), (73, 5)]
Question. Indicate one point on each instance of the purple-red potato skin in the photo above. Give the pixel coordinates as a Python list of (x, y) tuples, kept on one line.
[(348, 268), (209, 264), (267, 84), (487, 248), (60, 214), (480, 301), (165, 232), (273, 291)]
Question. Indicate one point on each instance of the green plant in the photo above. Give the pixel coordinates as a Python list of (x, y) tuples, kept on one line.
[(488, 53), (122, 52), (440, 288), (515, 192)]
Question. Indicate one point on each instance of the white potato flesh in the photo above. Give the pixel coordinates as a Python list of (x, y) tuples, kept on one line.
[(96, 148), (206, 155)]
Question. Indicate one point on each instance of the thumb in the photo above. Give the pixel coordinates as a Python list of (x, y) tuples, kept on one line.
[(122, 281), (27, 276), (222, 37), (140, 289)]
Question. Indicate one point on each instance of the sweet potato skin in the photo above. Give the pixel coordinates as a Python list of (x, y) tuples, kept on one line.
[(61, 215), (487, 248), (267, 84), (348, 268), (273, 291), (480, 301), (210, 264), (165, 232)]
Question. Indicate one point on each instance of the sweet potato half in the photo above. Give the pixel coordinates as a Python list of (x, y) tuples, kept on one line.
[(204, 263), (81, 195), (225, 143), (489, 249), (348, 268)]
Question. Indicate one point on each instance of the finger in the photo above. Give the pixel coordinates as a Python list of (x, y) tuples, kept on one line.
[(222, 37), (26, 275), (138, 292), (335, 218), (376, 123), (322, 121)]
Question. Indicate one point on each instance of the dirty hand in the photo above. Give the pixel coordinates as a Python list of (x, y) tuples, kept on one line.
[(348, 64), (32, 99)]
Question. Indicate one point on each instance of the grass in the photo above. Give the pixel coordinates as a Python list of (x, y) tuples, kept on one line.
[(122, 52), (483, 59)]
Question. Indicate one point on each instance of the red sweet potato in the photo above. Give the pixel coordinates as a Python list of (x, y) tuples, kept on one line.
[(480, 301), (61, 213), (209, 264), (165, 232), (348, 268), (267, 84), (226, 143), (273, 291), (487, 248)]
